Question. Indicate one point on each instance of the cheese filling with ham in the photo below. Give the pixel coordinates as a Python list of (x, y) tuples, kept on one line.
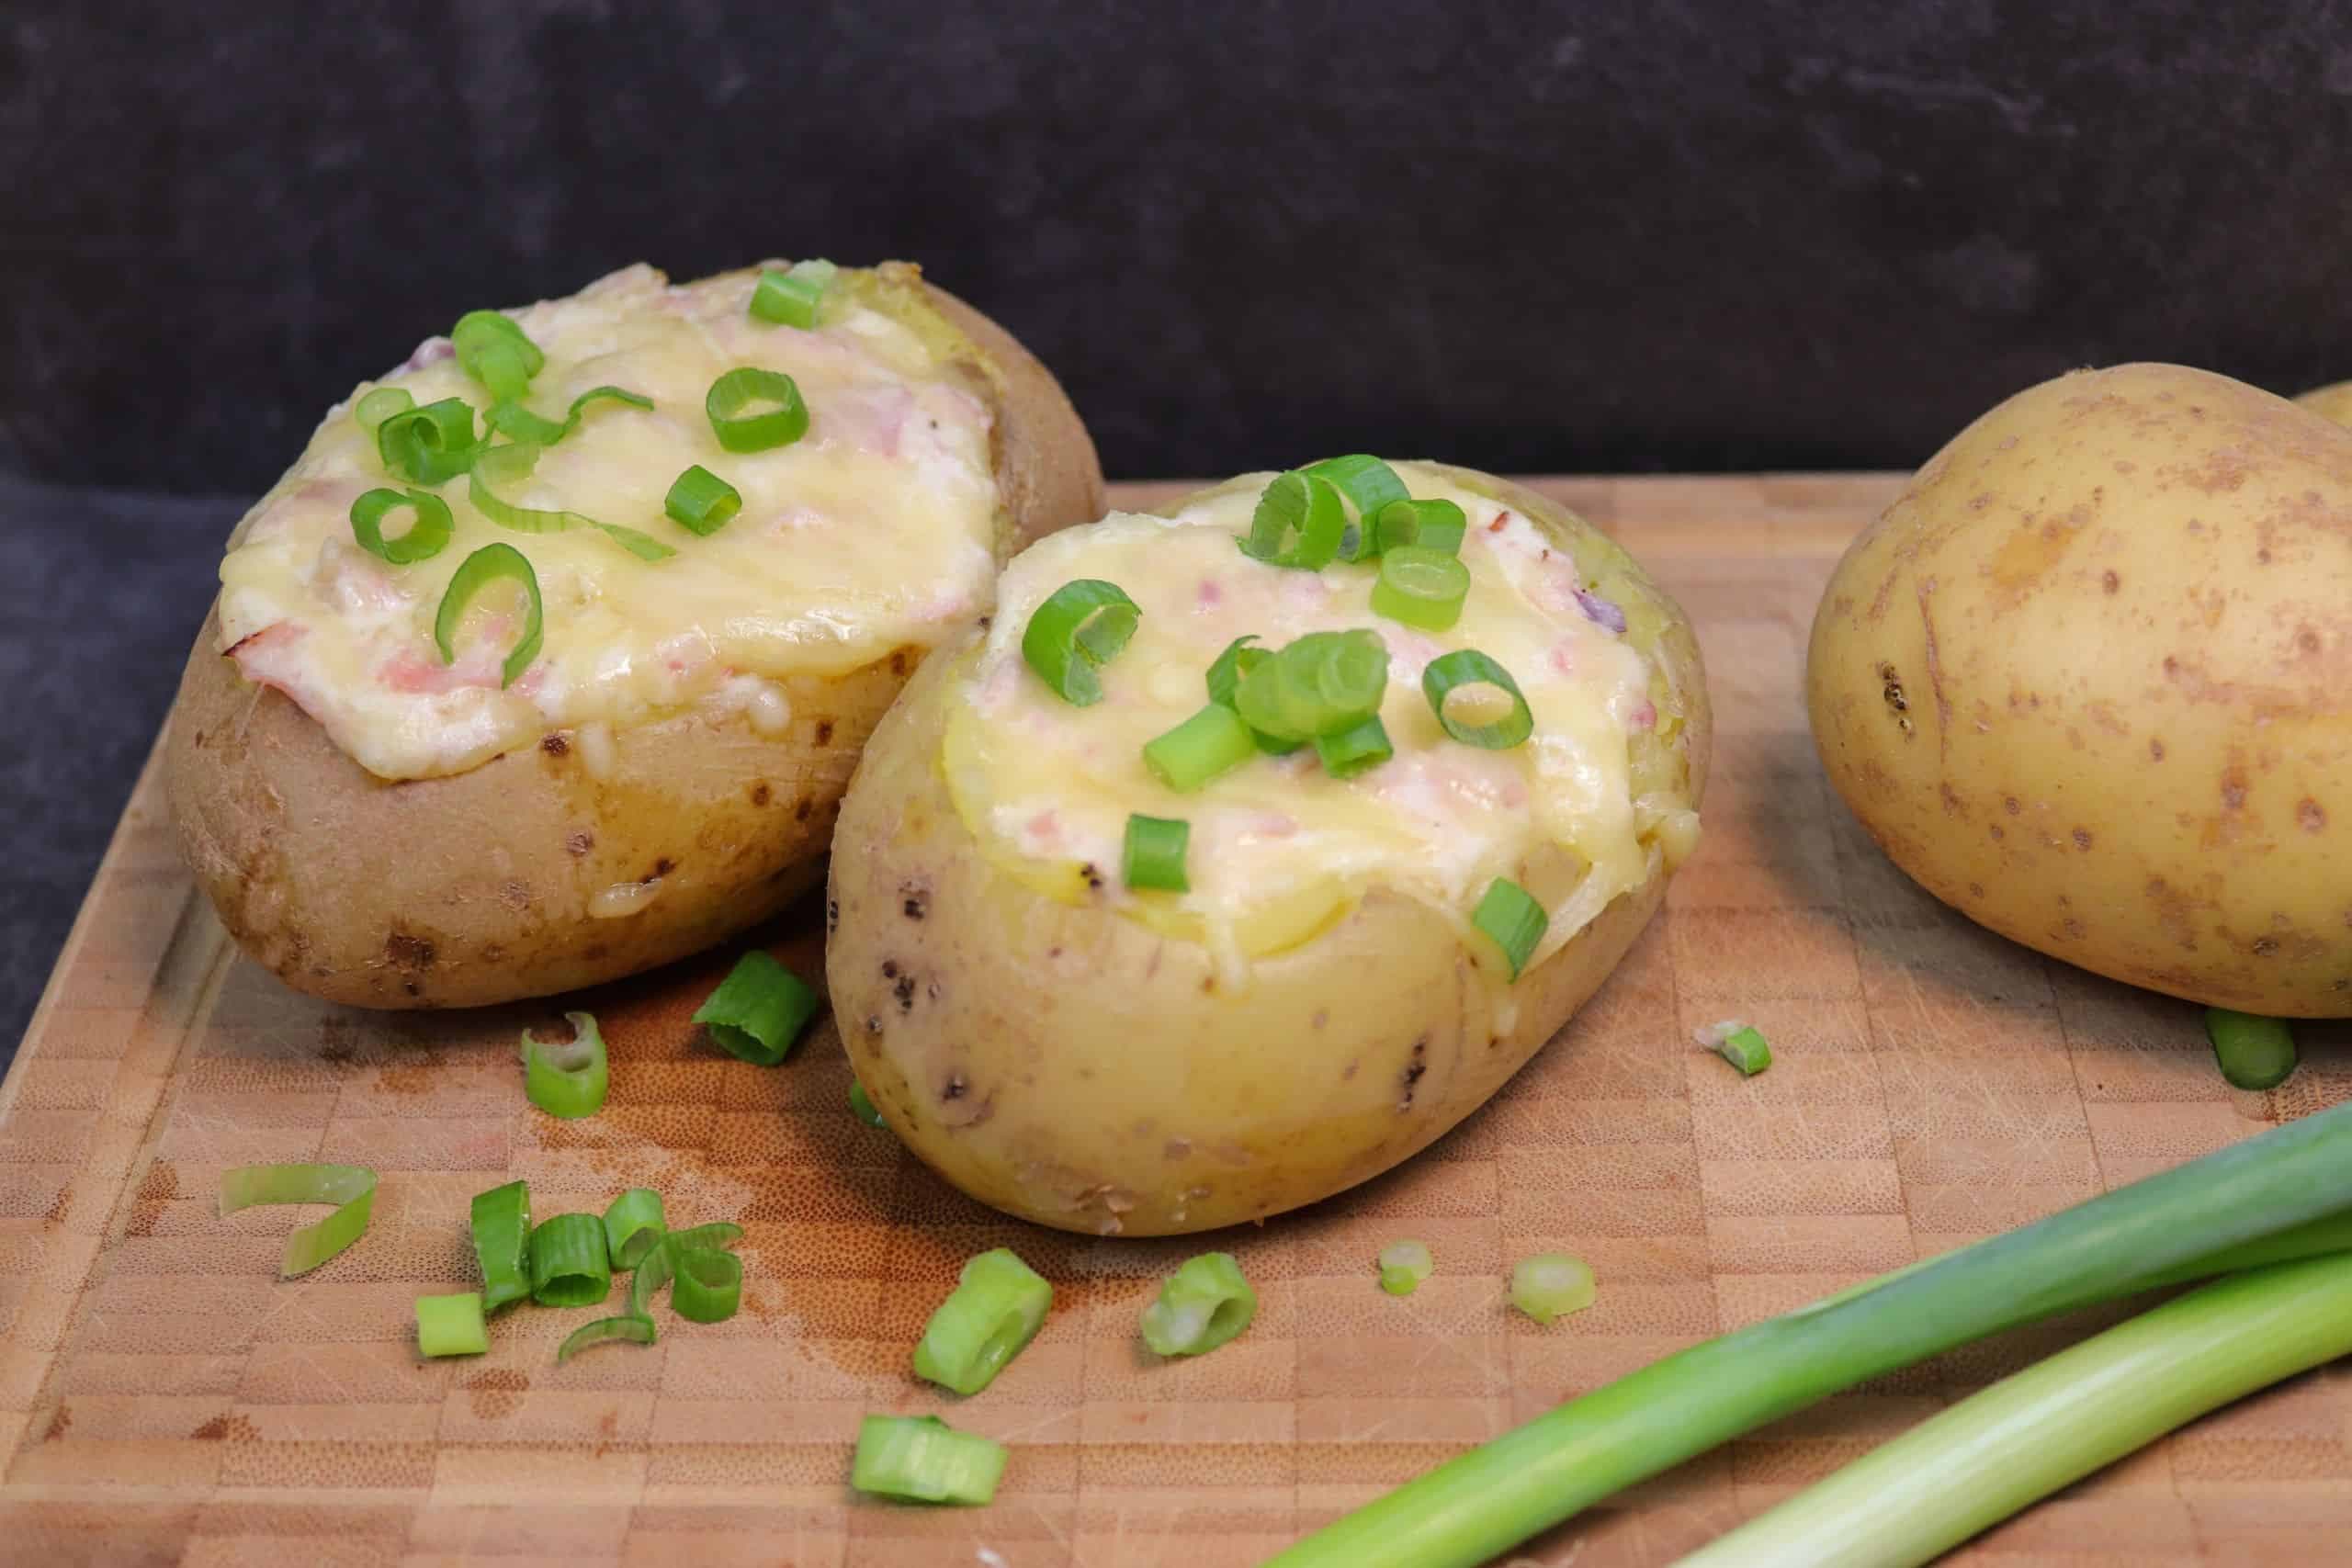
[(1278, 847), (874, 530)]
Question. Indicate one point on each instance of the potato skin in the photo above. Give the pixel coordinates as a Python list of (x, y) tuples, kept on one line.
[(2089, 682), (2332, 402), (478, 888), (1071, 1066)]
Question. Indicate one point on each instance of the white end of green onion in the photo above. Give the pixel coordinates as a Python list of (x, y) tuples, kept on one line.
[(1404, 1265), (1740, 1043), (1549, 1284)]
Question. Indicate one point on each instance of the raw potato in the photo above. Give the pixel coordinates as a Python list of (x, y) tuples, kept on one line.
[(2330, 403), (1067, 1063), (478, 888), (2089, 681)]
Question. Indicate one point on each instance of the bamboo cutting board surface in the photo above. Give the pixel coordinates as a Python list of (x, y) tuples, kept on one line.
[(165, 1399)]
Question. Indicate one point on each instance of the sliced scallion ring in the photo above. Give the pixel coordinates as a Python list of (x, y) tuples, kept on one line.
[(758, 1011), (511, 463), (428, 533), (700, 501), (1404, 1265), (792, 298), (1299, 523), (496, 352), (633, 1227), (752, 409), (569, 1263), (451, 1325), (996, 1307), (923, 1460), (719, 1233), (518, 424), (1211, 742), (1076, 629), (1746, 1049), (1513, 918), (706, 1284), (570, 1079), (1203, 1305), (861, 1105), (352, 1188), (1431, 524), (429, 445), (1154, 853), (1467, 667), (653, 1273), (1551, 1283), (1368, 484), (1420, 587), (1323, 683), (501, 1231), (603, 1331), (379, 404), (1346, 752)]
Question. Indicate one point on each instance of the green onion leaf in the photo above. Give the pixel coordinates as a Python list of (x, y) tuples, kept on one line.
[(707, 1284), (511, 463), (2255, 1053), (431, 445), (1404, 1265), (570, 1266), (1322, 683), (700, 501), (923, 1460), (719, 1233), (1741, 1045), (1428, 524), (1370, 485), (1211, 742), (1238, 660), (634, 1329), (502, 1230), (350, 1186), (792, 298), (1515, 920), (644, 546), (1467, 667), (633, 1227), (427, 535), (861, 1105), (1076, 629), (752, 409), (496, 352), (758, 1011), (1299, 523), (490, 564), (567, 1080), (1154, 853), (451, 1325), (653, 1272), (1549, 1284), (1203, 1305), (381, 404), (519, 425), (1420, 587), (1350, 751), (996, 1307)]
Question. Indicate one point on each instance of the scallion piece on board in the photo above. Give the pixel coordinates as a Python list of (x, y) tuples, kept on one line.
[(758, 1011), (1549, 1284), (501, 1231), (721, 1234), (351, 1187), (569, 1262), (752, 409), (1741, 1045), (700, 501), (427, 534), (923, 1460), (996, 1307), (653, 1272), (635, 1330), (1153, 856), (792, 298), (633, 1227), (1370, 485), (451, 1325), (1211, 742), (1513, 918), (1404, 1265), (1420, 587), (861, 1105), (1299, 523), (1203, 1305), (2254, 1052), (705, 1284), (1076, 629), (568, 1079), (1426, 525), (1466, 667), (491, 563)]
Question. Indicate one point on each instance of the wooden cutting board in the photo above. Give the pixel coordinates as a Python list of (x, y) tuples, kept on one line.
[(165, 1399)]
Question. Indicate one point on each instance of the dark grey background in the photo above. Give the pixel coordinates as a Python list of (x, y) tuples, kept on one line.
[(1613, 236)]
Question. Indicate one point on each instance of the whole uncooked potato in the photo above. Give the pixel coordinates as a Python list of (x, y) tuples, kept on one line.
[(2333, 402), (2089, 681)]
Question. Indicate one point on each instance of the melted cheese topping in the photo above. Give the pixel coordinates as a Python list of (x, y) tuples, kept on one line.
[(1279, 848), (875, 530)]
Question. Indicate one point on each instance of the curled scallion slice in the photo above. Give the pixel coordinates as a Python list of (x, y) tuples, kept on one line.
[(1076, 629), (429, 445), (490, 564), (923, 1460), (752, 410), (996, 1307), (1404, 1265), (568, 1079), (451, 1325), (1549, 1284), (501, 1231), (1299, 523), (793, 298), (635, 1330), (428, 533), (1466, 667), (633, 1227), (705, 1284), (1514, 919), (569, 1263), (758, 1011), (352, 1188), (493, 349), (1370, 485), (1203, 1305), (1420, 587)]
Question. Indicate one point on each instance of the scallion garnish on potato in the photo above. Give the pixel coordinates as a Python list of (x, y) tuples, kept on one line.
[(1299, 523), (1153, 855), (795, 296), (428, 532), (752, 410), (1467, 668), (1076, 629), (1211, 742), (491, 563), (1514, 919)]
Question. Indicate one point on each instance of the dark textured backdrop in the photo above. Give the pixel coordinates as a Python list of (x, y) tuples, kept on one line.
[(1636, 234)]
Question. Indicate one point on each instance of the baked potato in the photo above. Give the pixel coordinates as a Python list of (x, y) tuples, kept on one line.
[(1058, 1034), (2089, 682), (395, 804)]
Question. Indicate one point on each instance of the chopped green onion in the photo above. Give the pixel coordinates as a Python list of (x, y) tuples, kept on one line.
[(996, 1307), (2175, 1224), (1741, 1045), (429, 445), (700, 501), (1404, 1265), (1515, 920), (633, 1227), (861, 1105), (644, 546), (451, 1325), (1324, 682), (1154, 853), (513, 463), (758, 1011), (1350, 751), (923, 1460), (653, 1272), (426, 534), (485, 566), (502, 1228), (635, 1330), (1203, 1305), (1211, 742), (2255, 1053), (1079, 627), (1549, 1284), (782, 421), (1299, 523), (496, 352), (570, 1264), (1238, 660), (381, 404), (719, 1233), (1467, 667), (1976, 1463), (519, 425), (1420, 587), (567, 1080), (706, 1284), (1426, 525), (1370, 485), (792, 298), (352, 1188)]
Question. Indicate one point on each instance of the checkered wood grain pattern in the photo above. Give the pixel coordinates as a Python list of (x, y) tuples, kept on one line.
[(164, 1399)]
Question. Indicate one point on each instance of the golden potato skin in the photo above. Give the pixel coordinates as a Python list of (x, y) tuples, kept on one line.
[(1071, 1066), (2333, 402), (2089, 682), (478, 888)]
